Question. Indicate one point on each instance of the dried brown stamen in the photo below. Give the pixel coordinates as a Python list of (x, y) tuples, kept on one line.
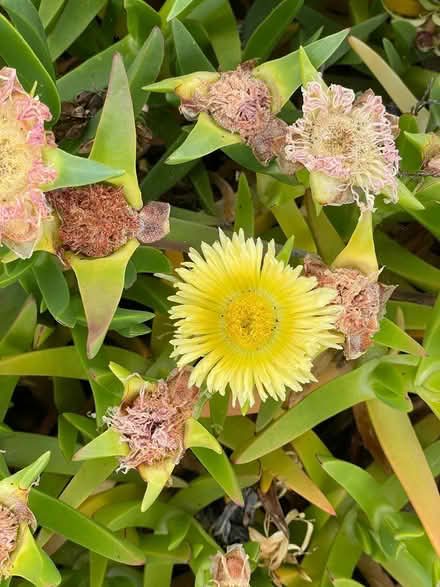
[(95, 220), (232, 569), (153, 424), (363, 300)]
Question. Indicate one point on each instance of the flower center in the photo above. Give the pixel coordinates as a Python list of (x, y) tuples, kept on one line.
[(250, 320), (333, 136), (15, 156)]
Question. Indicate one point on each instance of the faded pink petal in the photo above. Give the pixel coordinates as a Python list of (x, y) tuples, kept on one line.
[(154, 222), (348, 138), (22, 169)]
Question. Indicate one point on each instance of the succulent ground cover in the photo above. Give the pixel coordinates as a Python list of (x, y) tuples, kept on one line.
[(219, 278)]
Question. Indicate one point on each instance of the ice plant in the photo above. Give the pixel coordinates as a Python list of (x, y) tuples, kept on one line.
[(19, 553), (22, 169), (354, 275), (254, 322), (347, 144), (96, 220), (424, 15), (242, 104), (151, 428), (231, 569)]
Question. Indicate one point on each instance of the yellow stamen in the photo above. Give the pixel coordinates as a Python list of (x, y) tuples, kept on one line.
[(250, 320)]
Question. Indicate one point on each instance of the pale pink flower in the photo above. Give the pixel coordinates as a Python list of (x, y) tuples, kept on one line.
[(348, 142), (22, 169)]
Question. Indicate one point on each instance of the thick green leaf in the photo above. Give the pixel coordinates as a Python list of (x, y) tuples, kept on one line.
[(189, 55), (10, 272), (268, 33), (53, 286), (100, 283), (63, 519), (200, 180), (219, 22), (141, 19), (326, 401), (67, 438), (244, 208), (18, 54), (49, 10), (205, 137), (75, 171), (115, 141), (26, 20), (73, 20), (220, 468), (145, 68), (390, 335), (150, 260)]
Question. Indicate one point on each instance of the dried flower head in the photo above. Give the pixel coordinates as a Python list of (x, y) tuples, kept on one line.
[(96, 220), (362, 298), (254, 322), (22, 169), (431, 155), (241, 103), (153, 424), (12, 518), (231, 569), (347, 142)]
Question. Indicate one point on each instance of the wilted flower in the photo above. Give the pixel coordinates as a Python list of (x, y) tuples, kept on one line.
[(346, 143), (424, 15), (96, 220), (151, 428), (22, 168), (242, 104), (19, 553), (231, 569), (253, 321), (153, 423)]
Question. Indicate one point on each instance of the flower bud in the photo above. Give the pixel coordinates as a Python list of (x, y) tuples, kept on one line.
[(231, 569)]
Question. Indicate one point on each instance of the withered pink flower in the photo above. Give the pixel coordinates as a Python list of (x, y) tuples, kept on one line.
[(96, 219), (362, 298), (11, 519), (153, 423), (22, 169), (241, 103), (347, 144), (231, 569)]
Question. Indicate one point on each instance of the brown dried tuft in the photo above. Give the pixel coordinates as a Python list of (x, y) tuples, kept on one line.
[(95, 219), (362, 298), (241, 103), (231, 569), (153, 424), (9, 524)]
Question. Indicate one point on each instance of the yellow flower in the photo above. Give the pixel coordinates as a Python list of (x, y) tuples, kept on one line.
[(252, 320)]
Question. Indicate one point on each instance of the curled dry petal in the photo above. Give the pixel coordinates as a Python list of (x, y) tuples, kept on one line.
[(22, 169), (362, 298), (154, 222), (153, 423), (348, 140)]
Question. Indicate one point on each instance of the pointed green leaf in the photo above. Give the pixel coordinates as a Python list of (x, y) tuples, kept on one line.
[(157, 477), (73, 20), (196, 435), (150, 260), (220, 468), (407, 199), (308, 71), (145, 68), (26, 477), (359, 251), (76, 171), (244, 208), (141, 19), (179, 6), (87, 426), (26, 20), (18, 54), (67, 437), (107, 444), (389, 79), (189, 55), (115, 141), (63, 519), (283, 75), (205, 137), (392, 336), (33, 564), (101, 282), (52, 283), (267, 34)]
